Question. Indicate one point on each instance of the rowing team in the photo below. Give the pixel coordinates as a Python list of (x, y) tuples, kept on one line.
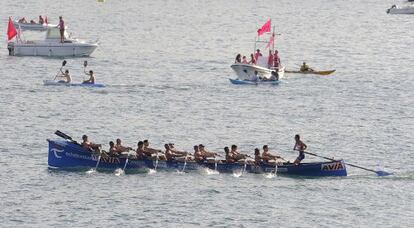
[(144, 151)]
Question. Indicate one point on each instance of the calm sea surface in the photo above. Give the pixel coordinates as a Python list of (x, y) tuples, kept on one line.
[(167, 64)]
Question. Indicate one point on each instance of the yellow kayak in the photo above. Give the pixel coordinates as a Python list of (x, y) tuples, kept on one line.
[(319, 72)]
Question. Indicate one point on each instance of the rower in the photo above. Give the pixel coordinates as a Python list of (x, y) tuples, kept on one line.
[(229, 156), (206, 154), (198, 156), (172, 148), (66, 77), (257, 157), (301, 147), (140, 150), (150, 152), (90, 146), (91, 79), (236, 155), (121, 148), (171, 155), (305, 68), (267, 156), (113, 150)]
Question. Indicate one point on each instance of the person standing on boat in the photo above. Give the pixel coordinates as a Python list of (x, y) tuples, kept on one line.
[(91, 79), (41, 21), (270, 60), (66, 77), (257, 55), (238, 58), (252, 60), (61, 27), (276, 59), (301, 147)]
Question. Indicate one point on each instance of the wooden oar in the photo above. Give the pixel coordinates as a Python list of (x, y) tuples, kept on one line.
[(379, 173)]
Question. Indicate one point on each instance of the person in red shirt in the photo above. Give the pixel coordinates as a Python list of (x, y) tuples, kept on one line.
[(257, 55), (252, 60), (270, 60), (276, 59)]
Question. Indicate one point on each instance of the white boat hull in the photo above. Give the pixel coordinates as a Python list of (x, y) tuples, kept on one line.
[(54, 49), (246, 71), (402, 10)]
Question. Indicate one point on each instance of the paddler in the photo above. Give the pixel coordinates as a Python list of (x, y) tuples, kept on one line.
[(267, 156), (66, 76), (301, 147), (91, 79), (305, 67)]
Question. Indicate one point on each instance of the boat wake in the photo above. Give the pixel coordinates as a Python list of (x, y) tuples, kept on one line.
[(119, 172), (91, 171), (238, 173), (152, 171), (269, 175), (211, 171)]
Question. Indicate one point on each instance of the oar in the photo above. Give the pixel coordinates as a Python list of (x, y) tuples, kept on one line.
[(65, 136), (126, 162), (156, 163), (379, 173), (99, 159), (63, 64), (185, 163), (85, 64)]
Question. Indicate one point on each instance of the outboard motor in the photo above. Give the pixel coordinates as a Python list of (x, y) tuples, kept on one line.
[(10, 47)]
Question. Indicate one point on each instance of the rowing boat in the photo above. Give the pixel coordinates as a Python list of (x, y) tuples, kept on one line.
[(248, 82), (60, 83), (67, 154), (319, 72)]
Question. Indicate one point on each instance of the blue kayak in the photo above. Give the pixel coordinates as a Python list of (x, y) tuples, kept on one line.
[(247, 82), (67, 154), (59, 83)]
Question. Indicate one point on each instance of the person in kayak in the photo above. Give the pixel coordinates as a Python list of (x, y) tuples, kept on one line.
[(238, 59), (91, 79), (120, 148), (65, 76), (305, 67), (301, 147), (61, 27), (267, 156), (90, 146)]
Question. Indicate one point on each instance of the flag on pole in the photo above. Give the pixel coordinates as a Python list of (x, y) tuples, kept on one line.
[(271, 41), (11, 30), (265, 28)]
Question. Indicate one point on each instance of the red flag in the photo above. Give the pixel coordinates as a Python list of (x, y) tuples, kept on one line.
[(271, 41), (265, 28), (11, 30)]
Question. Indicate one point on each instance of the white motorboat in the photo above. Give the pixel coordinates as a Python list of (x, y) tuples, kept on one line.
[(52, 46), (409, 9), (33, 26), (245, 71)]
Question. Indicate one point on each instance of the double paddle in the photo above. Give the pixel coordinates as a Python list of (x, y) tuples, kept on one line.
[(63, 64), (379, 172)]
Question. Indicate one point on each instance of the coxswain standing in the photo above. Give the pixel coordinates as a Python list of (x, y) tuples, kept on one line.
[(301, 147)]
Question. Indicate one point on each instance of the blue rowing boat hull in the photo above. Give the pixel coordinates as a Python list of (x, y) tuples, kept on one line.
[(55, 83), (246, 82), (68, 155)]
